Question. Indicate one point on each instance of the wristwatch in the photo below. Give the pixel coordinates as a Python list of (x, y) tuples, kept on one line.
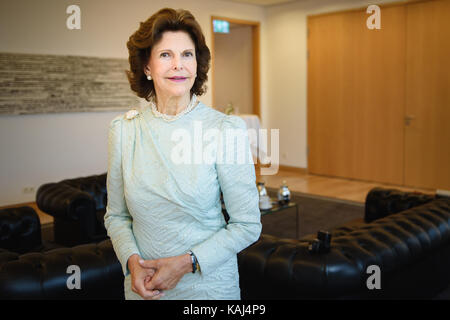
[(195, 265)]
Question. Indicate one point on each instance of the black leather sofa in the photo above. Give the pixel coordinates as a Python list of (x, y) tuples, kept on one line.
[(45, 275), (33, 268), (78, 206), (407, 235)]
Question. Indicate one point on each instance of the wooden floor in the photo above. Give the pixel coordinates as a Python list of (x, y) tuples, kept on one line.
[(343, 189)]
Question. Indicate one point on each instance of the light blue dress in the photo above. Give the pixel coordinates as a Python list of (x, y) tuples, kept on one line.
[(158, 207)]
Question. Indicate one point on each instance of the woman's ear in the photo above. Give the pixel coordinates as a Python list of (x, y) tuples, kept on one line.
[(147, 70)]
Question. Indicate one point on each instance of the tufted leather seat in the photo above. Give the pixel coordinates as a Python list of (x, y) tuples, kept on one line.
[(78, 207), (45, 275)]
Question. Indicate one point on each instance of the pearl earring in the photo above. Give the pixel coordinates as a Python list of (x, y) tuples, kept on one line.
[(149, 77)]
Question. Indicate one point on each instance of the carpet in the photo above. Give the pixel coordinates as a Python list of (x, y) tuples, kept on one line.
[(316, 213)]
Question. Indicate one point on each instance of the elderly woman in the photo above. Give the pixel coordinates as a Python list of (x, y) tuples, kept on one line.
[(165, 217)]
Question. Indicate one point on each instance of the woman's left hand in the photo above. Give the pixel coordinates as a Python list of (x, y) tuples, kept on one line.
[(169, 271)]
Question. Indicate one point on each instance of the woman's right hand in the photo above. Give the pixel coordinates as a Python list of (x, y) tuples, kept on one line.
[(139, 277)]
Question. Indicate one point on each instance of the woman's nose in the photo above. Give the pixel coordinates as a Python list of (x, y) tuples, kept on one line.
[(177, 64)]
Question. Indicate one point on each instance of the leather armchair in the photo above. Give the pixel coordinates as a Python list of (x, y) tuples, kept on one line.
[(78, 207), (20, 231)]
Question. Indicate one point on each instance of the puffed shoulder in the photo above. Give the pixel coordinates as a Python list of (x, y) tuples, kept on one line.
[(233, 122), (116, 121), (129, 115)]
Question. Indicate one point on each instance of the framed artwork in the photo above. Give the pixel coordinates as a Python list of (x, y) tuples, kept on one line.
[(36, 83)]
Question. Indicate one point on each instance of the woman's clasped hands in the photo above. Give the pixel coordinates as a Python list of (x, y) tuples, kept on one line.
[(151, 278)]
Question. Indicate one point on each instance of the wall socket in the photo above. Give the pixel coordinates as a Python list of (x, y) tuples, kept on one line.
[(28, 190)]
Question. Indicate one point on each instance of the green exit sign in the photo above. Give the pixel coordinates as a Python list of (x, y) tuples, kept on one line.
[(221, 26)]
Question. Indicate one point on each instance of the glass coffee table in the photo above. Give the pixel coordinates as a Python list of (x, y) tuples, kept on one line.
[(277, 207)]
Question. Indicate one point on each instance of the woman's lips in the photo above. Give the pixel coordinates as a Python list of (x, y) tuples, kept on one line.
[(177, 79)]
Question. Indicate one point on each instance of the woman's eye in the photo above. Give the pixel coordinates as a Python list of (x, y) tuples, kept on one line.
[(189, 54), (164, 55)]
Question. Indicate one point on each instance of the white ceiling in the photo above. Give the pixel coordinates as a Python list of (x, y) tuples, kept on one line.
[(262, 2)]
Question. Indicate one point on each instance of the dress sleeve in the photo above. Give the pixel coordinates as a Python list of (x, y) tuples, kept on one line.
[(238, 184), (118, 221)]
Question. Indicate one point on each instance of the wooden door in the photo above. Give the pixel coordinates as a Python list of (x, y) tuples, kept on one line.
[(356, 91), (427, 136), (256, 92)]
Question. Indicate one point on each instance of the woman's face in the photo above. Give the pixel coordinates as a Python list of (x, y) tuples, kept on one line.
[(173, 65)]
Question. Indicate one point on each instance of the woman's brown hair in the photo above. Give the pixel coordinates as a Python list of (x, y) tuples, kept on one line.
[(149, 33)]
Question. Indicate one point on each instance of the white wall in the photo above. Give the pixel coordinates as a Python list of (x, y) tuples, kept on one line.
[(284, 99), (35, 149), (233, 69)]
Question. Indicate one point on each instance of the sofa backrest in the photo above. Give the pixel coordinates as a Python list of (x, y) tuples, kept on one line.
[(381, 202), (94, 185)]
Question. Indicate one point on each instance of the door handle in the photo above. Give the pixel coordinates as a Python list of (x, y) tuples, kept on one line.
[(408, 119)]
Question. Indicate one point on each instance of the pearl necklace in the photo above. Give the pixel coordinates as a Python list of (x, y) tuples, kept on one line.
[(168, 117)]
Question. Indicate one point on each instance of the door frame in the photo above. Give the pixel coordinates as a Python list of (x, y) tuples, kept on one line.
[(255, 25)]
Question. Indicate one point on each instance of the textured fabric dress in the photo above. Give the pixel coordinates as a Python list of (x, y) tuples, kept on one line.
[(165, 175)]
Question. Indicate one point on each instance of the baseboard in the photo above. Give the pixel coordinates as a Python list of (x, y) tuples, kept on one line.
[(283, 168), (293, 169)]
